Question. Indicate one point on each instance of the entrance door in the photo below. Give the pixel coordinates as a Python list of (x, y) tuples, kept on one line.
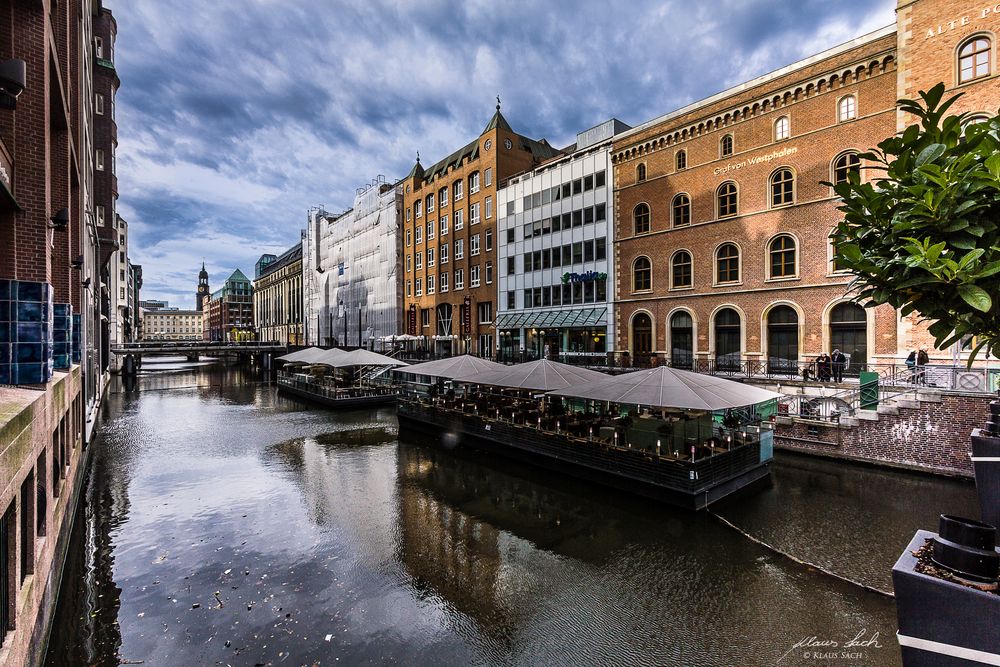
[(642, 338), (728, 350), (681, 340), (849, 334), (783, 340)]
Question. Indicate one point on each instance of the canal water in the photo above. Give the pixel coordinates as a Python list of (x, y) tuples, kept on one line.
[(224, 524)]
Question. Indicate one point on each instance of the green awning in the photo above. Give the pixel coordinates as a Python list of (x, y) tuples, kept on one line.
[(560, 319)]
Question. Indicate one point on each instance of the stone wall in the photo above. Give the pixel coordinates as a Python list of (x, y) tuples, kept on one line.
[(933, 437)]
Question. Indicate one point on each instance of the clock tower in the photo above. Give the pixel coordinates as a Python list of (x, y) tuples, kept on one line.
[(203, 290)]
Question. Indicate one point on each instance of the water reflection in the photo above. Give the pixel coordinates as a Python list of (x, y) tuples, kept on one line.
[(225, 523)]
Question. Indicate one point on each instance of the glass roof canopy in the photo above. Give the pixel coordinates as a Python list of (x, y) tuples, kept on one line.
[(581, 317)]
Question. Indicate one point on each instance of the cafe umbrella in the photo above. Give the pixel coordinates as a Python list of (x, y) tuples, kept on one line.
[(665, 387)]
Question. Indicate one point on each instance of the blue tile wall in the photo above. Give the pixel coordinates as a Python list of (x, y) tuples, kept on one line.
[(26, 332), (77, 337), (62, 336)]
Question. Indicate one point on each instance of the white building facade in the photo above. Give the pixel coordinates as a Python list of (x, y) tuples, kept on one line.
[(555, 291), (352, 271)]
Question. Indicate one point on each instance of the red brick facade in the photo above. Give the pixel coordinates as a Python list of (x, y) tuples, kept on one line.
[(735, 138), (933, 436)]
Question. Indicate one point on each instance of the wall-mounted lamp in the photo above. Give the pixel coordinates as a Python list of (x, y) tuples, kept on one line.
[(60, 221), (85, 284), (13, 77), (77, 263)]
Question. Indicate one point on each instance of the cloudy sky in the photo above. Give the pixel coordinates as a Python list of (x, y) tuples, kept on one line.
[(236, 116)]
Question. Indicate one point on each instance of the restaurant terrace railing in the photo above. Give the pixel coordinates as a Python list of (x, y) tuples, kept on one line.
[(689, 471)]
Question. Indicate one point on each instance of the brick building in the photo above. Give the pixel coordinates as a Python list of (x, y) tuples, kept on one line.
[(449, 228), (277, 297), (52, 354), (227, 314), (722, 232)]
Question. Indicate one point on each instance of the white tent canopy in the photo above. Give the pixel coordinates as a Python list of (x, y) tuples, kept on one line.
[(666, 387), (541, 375), (452, 367), (305, 356), (360, 357)]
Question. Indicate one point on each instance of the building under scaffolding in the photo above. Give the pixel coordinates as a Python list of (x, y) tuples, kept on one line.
[(352, 270)]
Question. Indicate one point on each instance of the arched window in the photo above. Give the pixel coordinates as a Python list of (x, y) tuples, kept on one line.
[(727, 200), (844, 166), (849, 334), (727, 263), (680, 269), (640, 219), (682, 160), (974, 59), (782, 129), (642, 274), (681, 210), (782, 255), (681, 340), (640, 173), (782, 188), (726, 145), (727, 340), (783, 340), (847, 108)]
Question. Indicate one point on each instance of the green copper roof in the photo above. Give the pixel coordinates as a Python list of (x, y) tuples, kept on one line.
[(498, 122)]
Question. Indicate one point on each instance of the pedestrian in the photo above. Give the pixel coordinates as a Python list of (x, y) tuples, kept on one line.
[(922, 361), (823, 367), (839, 362), (911, 365)]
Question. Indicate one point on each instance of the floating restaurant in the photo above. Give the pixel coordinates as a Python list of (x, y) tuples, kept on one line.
[(675, 436), (312, 374)]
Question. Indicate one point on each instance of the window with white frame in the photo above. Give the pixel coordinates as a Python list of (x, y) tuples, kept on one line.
[(443, 197), (99, 104), (457, 190), (419, 261), (430, 230), (409, 288), (430, 284), (489, 273), (430, 257), (459, 248), (409, 238), (443, 252), (474, 214), (430, 203), (459, 219), (782, 129), (474, 245), (409, 263), (99, 159), (418, 233), (473, 182), (459, 278), (488, 205), (489, 240), (488, 177), (847, 108), (417, 211), (443, 282), (100, 215), (419, 288), (444, 225), (474, 276)]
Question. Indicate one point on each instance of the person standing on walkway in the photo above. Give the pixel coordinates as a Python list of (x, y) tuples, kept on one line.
[(922, 361), (823, 367), (839, 361)]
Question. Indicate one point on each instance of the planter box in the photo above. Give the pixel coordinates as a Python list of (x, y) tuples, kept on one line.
[(986, 463), (942, 623)]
